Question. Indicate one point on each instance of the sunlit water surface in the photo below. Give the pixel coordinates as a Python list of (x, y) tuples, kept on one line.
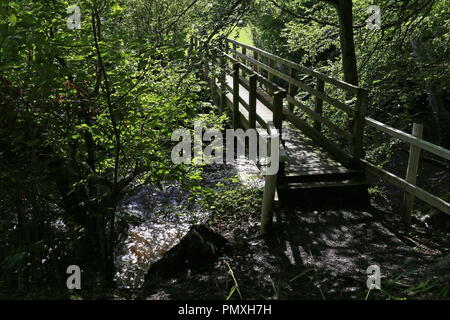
[(166, 215)]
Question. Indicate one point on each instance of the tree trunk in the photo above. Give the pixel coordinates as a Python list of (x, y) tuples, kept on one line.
[(345, 14)]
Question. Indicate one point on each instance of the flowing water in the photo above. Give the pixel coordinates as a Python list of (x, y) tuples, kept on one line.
[(163, 217)]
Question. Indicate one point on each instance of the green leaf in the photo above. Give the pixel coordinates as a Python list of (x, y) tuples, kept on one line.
[(12, 19)]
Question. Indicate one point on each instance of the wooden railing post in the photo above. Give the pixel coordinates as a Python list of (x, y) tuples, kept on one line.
[(270, 185), (244, 52), (270, 76), (236, 118), (252, 100), (358, 126), (256, 57), (293, 90), (278, 98), (235, 50), (319, 104), (411, 175)]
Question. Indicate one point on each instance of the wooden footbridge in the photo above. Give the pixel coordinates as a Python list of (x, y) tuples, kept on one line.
[(320, 158)]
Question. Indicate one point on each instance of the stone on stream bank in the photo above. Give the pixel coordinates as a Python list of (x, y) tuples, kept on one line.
[(197, 250)]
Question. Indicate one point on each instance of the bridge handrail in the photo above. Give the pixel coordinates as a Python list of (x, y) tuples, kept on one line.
[(344, 107), (411, 188), (251, 72), (418, 142), (338, 83)]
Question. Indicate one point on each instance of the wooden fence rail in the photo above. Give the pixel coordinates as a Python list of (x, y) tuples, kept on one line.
[(409, 184)]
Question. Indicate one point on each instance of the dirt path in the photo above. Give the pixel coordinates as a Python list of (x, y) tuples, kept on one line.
[(322, 255), (339, 246)]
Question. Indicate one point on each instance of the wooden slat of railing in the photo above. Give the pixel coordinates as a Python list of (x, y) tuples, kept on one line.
[(303, 86), (244, 103), (333, 148), (266, 99), (340, 84), (243, 61), (245, 123), (423, 144), (258, 118), (242, 66), (410, 188), (262, 96), (319, 118), (250, 71)]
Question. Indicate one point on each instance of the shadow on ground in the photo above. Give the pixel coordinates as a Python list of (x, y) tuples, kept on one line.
[(321, 255)]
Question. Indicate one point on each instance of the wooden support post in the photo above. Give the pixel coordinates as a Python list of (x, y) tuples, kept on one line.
[(235, 49), (268, 204), (278, 98), (236, 117), (411, 175), (358, 127), (270, 185), (319, 104), (252, 101), (293, 90)]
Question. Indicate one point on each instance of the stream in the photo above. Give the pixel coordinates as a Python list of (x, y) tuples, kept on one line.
[(164, 216)]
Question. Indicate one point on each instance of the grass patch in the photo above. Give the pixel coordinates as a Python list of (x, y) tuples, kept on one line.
[(243, 35)]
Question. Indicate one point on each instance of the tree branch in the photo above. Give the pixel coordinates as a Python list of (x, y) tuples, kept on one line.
[(305, 19)]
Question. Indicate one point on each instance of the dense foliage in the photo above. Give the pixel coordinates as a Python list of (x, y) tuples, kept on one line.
[(404, 63)]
